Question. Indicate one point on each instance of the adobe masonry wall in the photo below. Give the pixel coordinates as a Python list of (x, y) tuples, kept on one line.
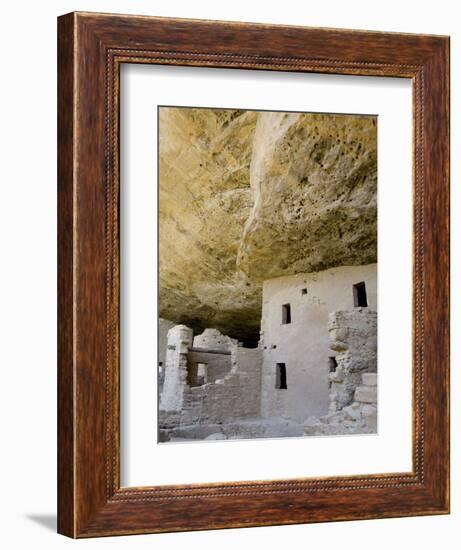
[(234, 396), (213, 349), (179, 340), (304, 344), (218, 365)]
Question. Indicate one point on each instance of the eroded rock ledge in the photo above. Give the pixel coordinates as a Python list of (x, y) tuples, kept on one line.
[(246, 196)]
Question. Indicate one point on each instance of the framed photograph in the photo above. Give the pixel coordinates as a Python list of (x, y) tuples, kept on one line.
[(253, 259)]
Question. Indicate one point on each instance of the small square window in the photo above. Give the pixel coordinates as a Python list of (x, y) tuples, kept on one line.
[(304, 291)]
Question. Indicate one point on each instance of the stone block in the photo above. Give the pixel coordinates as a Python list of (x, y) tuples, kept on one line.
[(369, 379), (337, 376), (352, 413), (366, 394)]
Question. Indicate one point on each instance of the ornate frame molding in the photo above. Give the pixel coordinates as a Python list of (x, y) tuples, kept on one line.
[(91, 49)]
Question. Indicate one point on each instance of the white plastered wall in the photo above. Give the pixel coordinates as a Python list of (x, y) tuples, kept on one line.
[(304, 344)]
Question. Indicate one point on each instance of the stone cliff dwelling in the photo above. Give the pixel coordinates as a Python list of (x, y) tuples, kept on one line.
[(290, 384), (267, 274)]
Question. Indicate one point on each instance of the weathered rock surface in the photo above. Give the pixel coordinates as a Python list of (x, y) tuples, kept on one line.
[(246, 196)]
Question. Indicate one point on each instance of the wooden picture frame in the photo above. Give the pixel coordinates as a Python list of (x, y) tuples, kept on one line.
[(91, 49)]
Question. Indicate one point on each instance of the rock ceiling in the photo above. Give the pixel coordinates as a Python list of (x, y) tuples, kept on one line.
[(246, 196)]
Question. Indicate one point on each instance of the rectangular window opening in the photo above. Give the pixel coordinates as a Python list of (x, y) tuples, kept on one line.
[(360, 295), (286, 314), (304, 291), (191, 379), (202, 373), (197, 374), (280, 376)]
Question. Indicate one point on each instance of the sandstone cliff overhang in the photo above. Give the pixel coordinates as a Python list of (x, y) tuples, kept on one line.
[(245, 196)]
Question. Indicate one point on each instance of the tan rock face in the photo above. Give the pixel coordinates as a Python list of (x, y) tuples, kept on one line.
[(246, 196)]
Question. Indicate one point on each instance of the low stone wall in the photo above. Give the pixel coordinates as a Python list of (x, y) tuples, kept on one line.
[(218, 365), (235, 396)]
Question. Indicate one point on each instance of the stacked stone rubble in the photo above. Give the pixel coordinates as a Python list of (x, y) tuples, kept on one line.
[(353, 336), (353, 383), (359, 417), (212, 338)]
